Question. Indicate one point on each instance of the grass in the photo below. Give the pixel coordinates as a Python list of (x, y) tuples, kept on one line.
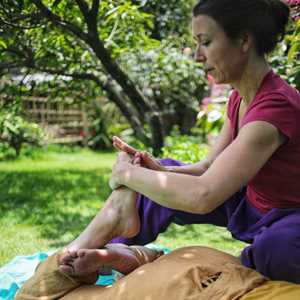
[(48, 199)]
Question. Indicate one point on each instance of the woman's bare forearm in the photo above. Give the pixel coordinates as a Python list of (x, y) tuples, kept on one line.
[(196, 169), (177, 191)]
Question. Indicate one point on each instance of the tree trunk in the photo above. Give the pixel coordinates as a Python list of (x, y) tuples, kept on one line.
[(147, 112)]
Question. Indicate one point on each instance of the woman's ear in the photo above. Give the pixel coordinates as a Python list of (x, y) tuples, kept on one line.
[(246, 41)]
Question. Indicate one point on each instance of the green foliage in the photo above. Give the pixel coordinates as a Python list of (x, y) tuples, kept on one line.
[(189, 149), (121, 25), (168, 76), (210, 120), (294, 53), (172, 18), (16, 131), (68, 47), (294, 39), (125, 26), (286, 59), (105, 121)]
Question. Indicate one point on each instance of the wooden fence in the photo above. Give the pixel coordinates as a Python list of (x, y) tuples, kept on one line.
[(63, 123)]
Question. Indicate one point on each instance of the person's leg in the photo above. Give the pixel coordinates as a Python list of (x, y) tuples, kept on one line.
[(50, 281), (155, 219), (120, 257), (117, 217), (186, 273), (275, 251)]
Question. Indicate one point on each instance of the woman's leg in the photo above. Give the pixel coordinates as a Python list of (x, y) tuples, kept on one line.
[(275, 251), (134, 223), (155, 219)]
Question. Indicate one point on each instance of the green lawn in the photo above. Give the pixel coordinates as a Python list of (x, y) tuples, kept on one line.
[(47, 201)]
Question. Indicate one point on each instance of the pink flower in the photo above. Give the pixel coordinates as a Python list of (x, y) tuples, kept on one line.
[(205, 101), (210, 79), (295, 8), (293, 2)]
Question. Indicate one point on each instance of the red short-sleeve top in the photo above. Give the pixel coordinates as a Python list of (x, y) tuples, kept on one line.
[(277, 184)]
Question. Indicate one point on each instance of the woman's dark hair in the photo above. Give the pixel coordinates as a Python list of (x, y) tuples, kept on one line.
[(264, 19)]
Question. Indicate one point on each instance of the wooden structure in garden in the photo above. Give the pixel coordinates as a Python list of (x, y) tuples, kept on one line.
[(62, 123)]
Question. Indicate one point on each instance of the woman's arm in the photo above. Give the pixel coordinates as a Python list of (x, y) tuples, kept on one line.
[(231, 170), (148, 161)]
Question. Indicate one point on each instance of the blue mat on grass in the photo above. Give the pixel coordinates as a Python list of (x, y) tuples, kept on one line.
[(21, 268)]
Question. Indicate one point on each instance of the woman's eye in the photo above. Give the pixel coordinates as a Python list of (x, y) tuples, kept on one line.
[(205, 43)]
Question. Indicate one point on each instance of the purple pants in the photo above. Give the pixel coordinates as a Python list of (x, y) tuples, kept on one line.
[(274, 237)]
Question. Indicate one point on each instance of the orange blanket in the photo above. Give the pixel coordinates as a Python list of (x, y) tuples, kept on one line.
[(187, 273)]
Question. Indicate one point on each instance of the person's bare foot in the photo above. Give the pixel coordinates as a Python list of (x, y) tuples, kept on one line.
[(122, 258), (118, 217)]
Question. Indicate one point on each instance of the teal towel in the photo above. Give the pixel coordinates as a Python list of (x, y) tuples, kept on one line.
[(16, 272)]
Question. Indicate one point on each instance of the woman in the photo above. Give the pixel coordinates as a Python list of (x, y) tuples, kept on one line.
[(248, 183), (258, 147)]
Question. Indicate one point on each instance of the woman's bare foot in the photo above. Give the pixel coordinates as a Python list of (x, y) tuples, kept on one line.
[(122, 258)]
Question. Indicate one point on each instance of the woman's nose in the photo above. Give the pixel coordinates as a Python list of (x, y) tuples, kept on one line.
[(199, 55)]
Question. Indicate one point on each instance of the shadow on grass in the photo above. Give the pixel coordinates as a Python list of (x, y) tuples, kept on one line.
[(57, 202)]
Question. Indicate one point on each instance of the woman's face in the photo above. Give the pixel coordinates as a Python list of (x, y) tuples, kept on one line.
[(223, 58)]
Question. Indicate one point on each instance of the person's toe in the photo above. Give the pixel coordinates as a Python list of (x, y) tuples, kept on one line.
[(68, 269), (81, 253), (68, 256)]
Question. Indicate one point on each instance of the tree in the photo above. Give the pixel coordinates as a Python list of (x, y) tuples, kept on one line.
[(172, 17), (286, 57), (86, 40)]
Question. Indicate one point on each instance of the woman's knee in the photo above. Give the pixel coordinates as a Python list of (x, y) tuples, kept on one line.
[(275, 254)]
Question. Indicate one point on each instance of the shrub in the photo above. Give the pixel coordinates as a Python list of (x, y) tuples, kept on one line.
[(170, 78), (286, 58), (189, 149), (16, 131)]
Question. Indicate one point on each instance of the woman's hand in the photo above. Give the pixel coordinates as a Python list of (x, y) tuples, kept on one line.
[(146, 159), (150, 162), (122, 146)]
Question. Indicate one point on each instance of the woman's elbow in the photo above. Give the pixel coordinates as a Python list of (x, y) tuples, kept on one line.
[(202, 203)]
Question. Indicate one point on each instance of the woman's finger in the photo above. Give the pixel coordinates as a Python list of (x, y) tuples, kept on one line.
[(122, 146), (116, 146), (150, 162), (137, 161)]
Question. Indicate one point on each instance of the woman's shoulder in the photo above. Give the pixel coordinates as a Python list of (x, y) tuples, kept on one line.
[(277, 103), (275, 88)]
